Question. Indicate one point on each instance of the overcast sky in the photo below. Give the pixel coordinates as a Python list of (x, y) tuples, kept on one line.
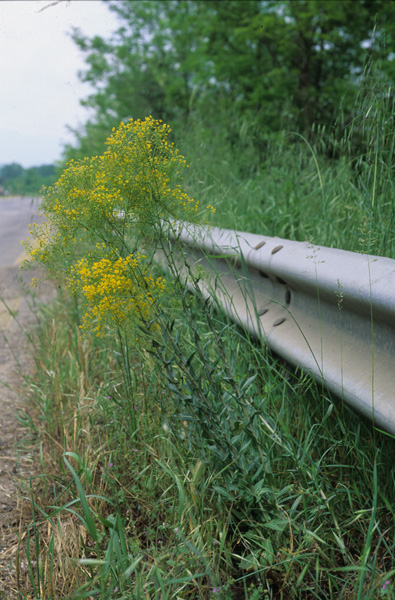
[(39, 62)]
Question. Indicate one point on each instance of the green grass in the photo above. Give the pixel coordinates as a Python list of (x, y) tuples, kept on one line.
[(280, 491), (127, 503), (335, 189), (196, 464)]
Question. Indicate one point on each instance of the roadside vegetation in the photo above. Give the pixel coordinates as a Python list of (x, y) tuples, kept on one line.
[(178, 457)]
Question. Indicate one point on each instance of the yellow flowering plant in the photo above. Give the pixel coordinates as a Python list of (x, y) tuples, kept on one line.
[(100, 212)]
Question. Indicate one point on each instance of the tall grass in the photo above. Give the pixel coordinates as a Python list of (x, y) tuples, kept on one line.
[(240, 477), (335, 189), (195, 464)]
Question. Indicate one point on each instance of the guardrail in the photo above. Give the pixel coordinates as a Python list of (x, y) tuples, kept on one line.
[(329, 311)]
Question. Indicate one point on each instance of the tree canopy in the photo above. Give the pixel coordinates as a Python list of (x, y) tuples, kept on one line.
[(277, 64), (14, 179)]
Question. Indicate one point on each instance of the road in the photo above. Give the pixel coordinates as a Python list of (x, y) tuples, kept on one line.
[(15, 216)]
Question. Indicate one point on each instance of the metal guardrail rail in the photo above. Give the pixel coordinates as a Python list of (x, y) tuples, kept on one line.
[(329, 311)]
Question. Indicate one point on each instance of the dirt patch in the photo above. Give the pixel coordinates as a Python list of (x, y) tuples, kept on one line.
[(16, 463)]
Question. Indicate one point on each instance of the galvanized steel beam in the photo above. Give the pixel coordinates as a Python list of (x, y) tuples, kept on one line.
[(329, 311)]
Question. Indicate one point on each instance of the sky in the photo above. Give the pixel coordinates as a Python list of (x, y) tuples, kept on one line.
[(40, 91)]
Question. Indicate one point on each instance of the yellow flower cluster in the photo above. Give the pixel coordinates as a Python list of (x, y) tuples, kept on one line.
[(101, 209), (116, 292), (144, 164)]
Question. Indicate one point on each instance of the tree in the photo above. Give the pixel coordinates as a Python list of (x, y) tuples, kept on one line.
[(279, 64), (161, 62), (11, 171)]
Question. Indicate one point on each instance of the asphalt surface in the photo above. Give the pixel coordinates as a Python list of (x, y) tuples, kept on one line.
[(16, 318), (15, 215)]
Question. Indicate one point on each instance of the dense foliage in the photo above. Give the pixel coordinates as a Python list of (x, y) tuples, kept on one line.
[(14, 179), (260, 65)]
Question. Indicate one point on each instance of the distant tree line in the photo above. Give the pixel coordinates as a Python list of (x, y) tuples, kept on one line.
[(261, 65), (14, 179)]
